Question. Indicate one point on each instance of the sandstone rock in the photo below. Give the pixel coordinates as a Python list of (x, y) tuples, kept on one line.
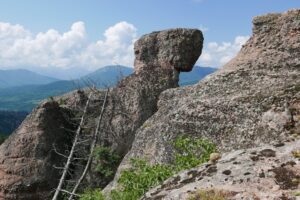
[(230, 106), (241, 174)]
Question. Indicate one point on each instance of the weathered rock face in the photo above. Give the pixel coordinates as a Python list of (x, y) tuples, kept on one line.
[(266, 172), (27, 156), (160, 56), (253, 100)]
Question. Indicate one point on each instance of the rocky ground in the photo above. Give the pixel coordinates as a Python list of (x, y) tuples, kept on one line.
[(267, 172)]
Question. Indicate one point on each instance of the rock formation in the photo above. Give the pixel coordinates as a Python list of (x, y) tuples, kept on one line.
[(159, 58), (27, 158), (254, 100)]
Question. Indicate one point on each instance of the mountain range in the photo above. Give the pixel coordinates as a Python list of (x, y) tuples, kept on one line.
[(19, 77), (30, 88)]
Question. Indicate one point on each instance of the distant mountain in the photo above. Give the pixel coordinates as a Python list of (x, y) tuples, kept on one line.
[(198, 73), (21, 77), (9, 121), (107, 76), (24, 98)]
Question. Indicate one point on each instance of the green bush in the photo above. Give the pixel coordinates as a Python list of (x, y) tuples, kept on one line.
[(107, 162), (140, 178), (136, 181), (191, 152)]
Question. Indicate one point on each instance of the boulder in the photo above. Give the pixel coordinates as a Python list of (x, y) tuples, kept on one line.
[(27, 157), (175, 48)]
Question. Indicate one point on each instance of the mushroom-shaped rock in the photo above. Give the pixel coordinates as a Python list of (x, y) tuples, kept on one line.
[(174, 48)]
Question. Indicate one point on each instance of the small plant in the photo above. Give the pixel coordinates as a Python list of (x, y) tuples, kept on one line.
[(208, 195), (62, 102), (140, 178), (297, 193), (296, 153), (92, 195), (107, 162), (192, 152)]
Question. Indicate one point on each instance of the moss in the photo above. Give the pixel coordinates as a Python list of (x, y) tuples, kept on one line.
[(296, 153), (211, 194), (297, 194)]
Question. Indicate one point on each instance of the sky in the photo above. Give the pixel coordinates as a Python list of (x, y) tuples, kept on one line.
[(83, 35)]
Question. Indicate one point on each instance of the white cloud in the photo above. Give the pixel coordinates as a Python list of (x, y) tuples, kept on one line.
[(19, 47), (116, 48), (217, 54)]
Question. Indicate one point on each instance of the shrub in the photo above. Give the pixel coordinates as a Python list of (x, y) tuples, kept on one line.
[(136, 181), (141, 177), (107, 162), (191, 152)]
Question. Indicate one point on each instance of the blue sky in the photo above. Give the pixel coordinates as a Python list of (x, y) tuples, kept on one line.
[(226, 24)]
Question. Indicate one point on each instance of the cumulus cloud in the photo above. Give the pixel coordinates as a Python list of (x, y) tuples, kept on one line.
[(217, 54), (19, 47)]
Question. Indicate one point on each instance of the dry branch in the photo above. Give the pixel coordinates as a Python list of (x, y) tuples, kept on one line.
[(94, 142), (70, 157)]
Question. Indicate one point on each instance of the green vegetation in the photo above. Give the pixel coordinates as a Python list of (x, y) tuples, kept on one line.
[(92, 195), (107, 162), (142, 176), (191, 152), (297, 193)]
